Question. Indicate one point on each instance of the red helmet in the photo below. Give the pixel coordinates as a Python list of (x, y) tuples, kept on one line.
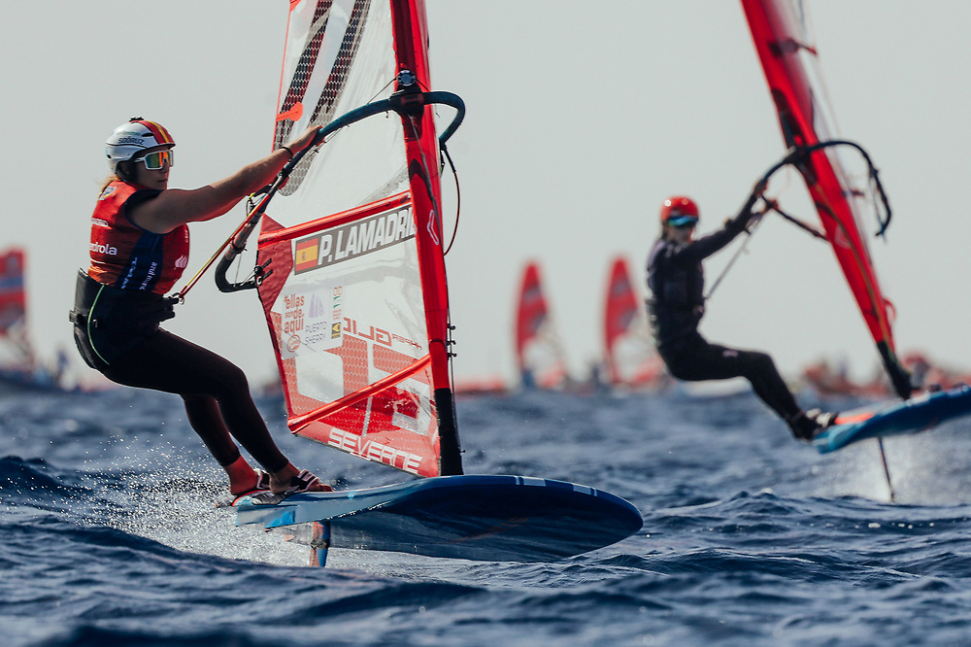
[(679, 210)]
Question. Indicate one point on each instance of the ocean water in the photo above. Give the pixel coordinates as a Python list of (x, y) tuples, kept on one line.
[(108, 535)]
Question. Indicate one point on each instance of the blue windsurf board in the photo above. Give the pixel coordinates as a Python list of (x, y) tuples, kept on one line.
[(893, 418), (477, 517)]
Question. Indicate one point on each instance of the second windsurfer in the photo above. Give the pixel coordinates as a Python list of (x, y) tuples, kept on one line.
[(676, 279)]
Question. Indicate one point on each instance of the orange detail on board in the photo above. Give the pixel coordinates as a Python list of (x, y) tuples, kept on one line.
[(860, 417)]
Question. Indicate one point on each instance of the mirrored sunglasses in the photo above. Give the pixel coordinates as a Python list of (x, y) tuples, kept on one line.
[(155, 161), (683, 222)]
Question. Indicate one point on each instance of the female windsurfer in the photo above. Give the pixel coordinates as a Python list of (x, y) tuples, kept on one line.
[(676, 280), (139, 249)]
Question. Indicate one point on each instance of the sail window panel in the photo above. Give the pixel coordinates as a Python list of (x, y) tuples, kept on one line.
[(342, 61)]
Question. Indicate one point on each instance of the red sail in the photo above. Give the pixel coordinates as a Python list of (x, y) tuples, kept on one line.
[(16, 352), (357, 303), (629, 356), (539, 354), (13, 298), (789, 60)]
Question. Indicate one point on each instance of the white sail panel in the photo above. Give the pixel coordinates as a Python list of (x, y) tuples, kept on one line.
[(339, 57)]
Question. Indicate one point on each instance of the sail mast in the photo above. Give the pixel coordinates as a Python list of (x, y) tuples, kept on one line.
[(410, 30)]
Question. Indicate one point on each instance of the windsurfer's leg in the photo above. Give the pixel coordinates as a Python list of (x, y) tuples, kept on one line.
[(169, 363), (768, 384), (206, 419), (761, 371), (702, 360), (242, 477)]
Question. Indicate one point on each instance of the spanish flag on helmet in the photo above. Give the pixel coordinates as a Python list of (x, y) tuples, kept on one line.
[(131, 138)]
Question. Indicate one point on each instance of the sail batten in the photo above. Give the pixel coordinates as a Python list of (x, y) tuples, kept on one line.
[(354, 398), (303, 229)]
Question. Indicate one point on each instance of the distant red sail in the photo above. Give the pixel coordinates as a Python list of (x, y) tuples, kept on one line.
[(629, 355), (789, 59), (13, 296), (539, 354)]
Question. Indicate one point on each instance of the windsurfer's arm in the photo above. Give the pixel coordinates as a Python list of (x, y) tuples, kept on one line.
[(700, 249), (175, 207), (705, 246)]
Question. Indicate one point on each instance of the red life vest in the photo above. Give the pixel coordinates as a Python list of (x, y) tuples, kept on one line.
[(125, 256)]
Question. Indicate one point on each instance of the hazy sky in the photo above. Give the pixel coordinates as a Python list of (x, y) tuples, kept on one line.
[(582, 117)]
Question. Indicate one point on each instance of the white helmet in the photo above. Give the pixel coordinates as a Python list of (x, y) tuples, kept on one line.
[(133, 137)]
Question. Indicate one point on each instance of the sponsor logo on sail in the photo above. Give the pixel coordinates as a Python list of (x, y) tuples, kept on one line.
[(374, 451), (293, 316), (376, 335), (353, 240), (335, 327)]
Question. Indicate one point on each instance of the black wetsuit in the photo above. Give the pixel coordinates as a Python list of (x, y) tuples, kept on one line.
[(117, 332), (676, 279)]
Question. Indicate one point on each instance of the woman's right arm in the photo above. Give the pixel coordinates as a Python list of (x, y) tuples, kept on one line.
[(175, 207)]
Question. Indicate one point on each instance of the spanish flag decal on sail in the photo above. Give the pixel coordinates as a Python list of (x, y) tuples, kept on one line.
[(305, 254)]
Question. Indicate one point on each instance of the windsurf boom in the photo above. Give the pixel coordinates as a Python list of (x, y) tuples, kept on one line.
[(785, 47)]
